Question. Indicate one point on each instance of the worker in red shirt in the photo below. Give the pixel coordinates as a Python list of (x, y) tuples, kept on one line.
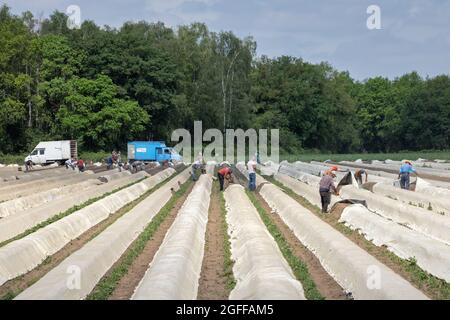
[(222, 174), (334, 168), (80, 165)]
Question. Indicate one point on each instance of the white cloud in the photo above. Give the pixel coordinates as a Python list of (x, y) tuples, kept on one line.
[(176, 12), (161, 6)]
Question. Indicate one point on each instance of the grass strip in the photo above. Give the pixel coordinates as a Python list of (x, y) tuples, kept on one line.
[(66, 213), (12, 294), (228, 261), (107, 284), (299, 268), (434, 287)]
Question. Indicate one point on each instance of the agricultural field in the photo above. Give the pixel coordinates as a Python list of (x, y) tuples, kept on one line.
[(163, 234), (307, 156)]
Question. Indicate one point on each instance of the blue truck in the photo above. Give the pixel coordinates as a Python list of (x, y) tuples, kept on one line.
[(149, 151)]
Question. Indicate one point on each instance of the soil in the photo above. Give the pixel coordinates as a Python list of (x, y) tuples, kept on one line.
[(22, 282), (380, 253), (127, 284), (213, 283), (337, 209), (325, 284), (369, 186)]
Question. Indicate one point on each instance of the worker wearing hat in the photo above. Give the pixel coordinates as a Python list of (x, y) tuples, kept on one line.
[(326, 186), (404, 174), (224, 174), (334, 168)]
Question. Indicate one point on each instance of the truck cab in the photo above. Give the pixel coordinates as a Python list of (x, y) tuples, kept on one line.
[(37, 156), (148, 151), (168, 154), (47, 152)]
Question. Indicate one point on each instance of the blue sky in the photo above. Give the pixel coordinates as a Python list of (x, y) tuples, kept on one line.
[(415, 34)]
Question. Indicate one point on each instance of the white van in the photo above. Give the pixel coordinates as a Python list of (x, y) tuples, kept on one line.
[(47, 152)]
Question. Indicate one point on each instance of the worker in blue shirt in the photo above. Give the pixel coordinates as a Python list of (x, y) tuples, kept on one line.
[(405, 171)]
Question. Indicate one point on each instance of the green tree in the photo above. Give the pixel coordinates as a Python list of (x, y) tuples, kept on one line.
[(91, 113)]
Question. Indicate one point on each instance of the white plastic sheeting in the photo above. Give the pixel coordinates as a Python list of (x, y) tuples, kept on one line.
[(431, 255), (304, 177), (374, 176), (243, 169), (114, 176), (396, 167), (210, 167), (36, 199), (96, 257), (296, 172), (302, 167), (309, 173), (25, 177), (434, 165), (14, 225), (433, 225), (42, 184), (175, 270), (9, 178), (418, 199), (353, 268), (394, 177), (309, 192), (427, 188), (260, 269), (269, 168), (21, 256)]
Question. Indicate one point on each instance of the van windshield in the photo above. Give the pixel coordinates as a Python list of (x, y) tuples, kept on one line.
[(35, 152)]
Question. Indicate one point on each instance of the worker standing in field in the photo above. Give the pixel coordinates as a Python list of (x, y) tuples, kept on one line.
[(404, 175), (109, 162), (222, 174), (258, 159), (251, 168), (114, 156), (326, 186), (358, 176)]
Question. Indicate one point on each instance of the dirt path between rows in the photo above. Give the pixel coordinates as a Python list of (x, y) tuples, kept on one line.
[(22, 282), (127, 284), (213, 282), (379, 253), (326, 285)]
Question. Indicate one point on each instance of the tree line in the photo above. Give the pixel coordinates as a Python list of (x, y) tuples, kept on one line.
[(105, 86)]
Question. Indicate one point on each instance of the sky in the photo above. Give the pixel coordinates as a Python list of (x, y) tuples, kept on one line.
[(414, 34)]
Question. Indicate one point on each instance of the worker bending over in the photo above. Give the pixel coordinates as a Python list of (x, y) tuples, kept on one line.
[(326, 186), (81, 165), (28, 165), (358, 176), (404, 175), (198, 167), (224, 173)]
